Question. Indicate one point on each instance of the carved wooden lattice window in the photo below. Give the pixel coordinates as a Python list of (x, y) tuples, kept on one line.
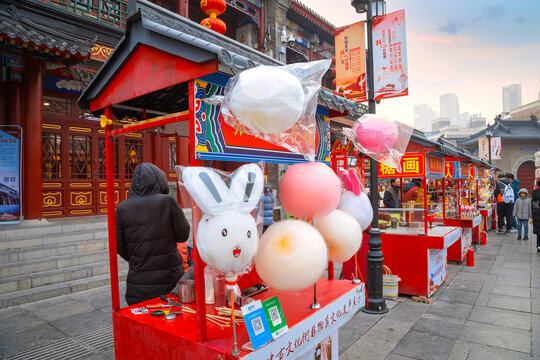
[(56, 106), (80, 157), (52, 155), (172, 156), (102, 170), (133, 157)]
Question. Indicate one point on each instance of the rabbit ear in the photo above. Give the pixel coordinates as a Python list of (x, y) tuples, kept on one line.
[(246, 186), (207, 189)]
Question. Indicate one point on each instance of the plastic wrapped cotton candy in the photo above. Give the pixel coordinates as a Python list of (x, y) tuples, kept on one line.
[(358, 206), (292, 255), (342, 234), (309, 190), (267, 99)]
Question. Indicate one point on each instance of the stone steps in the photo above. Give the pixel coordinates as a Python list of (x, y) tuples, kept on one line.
[(29, 281), (53, 290)]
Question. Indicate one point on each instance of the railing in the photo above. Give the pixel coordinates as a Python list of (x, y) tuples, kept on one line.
[(112, 12)]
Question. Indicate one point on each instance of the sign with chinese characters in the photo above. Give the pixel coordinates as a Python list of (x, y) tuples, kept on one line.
[(528, 148), (435, 166), (436, 269), (339, 154), (465, 170), (496, 148), (314, 329), (327, 349), (412, 165), (483, 148), (351, 62), (390, 55), (10, 173)]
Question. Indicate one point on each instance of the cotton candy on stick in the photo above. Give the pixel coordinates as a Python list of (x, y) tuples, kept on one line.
[(342, 234)]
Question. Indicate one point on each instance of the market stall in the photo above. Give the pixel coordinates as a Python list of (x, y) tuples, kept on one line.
[(168, 65), (414, 243)]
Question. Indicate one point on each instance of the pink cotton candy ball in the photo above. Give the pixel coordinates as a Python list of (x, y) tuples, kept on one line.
[(309, 190), (376, 134)]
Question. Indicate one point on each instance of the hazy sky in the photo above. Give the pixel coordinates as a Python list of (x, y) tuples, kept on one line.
[(468, 47)]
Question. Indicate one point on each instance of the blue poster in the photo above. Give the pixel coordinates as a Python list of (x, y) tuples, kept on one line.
[(10, 151)]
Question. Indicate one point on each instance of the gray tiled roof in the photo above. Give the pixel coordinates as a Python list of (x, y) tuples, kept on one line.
[(16, 24), (509, 130), (148, 22)]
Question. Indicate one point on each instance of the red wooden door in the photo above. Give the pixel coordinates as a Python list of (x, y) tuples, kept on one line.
[(525, 173)]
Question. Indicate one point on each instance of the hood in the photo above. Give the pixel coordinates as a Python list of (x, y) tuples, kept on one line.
[(517, 182), (505, 181), (411, 185), (148, 179), (523, 191)]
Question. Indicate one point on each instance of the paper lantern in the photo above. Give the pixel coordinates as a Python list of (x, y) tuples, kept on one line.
[(213, 8), (376, 134), (342, 234), (292, 255), (358, 206), (267, 99), (309, 190), (215, 24)]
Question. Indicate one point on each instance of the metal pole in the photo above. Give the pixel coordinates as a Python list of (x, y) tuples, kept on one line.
[(374, 281)]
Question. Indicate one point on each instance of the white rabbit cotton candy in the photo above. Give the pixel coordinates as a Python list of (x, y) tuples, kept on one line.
[(358, 206)]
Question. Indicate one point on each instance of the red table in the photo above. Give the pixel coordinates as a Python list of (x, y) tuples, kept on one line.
[(470, 228), (148, 337), (419, 260)]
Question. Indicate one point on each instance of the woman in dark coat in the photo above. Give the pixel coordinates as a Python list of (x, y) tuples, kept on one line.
[(536, 214), (148, 226)]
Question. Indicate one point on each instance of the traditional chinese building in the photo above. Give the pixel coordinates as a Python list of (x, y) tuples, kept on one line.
[(50, 51), (520, 139)]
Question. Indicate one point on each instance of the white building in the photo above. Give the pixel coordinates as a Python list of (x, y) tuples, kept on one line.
[(450, 109), (511, 95), (424, 117)]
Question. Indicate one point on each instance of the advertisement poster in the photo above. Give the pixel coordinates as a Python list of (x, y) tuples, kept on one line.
[(325, 350), (10, 171), (436, 269), (412, 165), (351, 62), (483, 148), (496, 148), (466, 241), (390, 55)]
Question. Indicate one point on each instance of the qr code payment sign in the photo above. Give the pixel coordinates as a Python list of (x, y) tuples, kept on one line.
[(274, 316), (257, 325)]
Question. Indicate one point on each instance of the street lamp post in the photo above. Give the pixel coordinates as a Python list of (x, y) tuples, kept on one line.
[(489, 134), (374, 281)]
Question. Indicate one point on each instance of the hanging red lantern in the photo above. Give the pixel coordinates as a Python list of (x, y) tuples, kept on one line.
[(215, 24), (213, 8)]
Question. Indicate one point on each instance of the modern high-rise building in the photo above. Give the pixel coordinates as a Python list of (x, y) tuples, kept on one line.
[(423, 117), (511, 95), (450, 109)]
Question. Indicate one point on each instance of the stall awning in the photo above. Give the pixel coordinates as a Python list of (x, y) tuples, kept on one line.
[(18, 28)]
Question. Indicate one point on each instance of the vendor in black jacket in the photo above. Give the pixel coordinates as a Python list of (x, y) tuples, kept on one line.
[(148, 226)]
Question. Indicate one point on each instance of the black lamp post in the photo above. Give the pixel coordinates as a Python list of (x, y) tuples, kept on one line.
[(489, 134), (374, 281)]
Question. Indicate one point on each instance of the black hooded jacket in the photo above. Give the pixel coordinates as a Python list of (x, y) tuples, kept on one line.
[(148, 226), (536, 211)]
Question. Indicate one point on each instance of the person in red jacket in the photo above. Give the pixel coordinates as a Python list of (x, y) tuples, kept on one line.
[(410, 191)]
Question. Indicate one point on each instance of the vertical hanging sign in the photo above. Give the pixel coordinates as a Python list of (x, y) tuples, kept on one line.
[(351, 62), (390, 55), (10, 173)]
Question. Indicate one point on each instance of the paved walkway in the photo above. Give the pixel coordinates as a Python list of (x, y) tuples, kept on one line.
[(491, 311)]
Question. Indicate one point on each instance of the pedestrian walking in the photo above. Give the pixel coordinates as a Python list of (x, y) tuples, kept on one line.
[(515, 184), (535, 204), (504, 195), (523, 213), (269, 202), (148, 226)]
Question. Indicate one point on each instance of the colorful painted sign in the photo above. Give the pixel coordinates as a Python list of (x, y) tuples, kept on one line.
[(351, 62), (340, 150), (10, 173), (413, 165), (216, 140), (465, 170), (528, 148), (483, 148), (496, 148), (456, 170), (437, 269), (435, 166), (313, 329), (466, 241), (390, 55)]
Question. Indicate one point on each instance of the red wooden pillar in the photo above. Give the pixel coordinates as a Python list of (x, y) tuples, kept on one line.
[(182, 8), (32, 135)]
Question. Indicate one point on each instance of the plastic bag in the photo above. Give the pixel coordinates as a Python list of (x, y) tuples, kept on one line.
[(354, 200), (227, 235), (380, 138), (276, 104)]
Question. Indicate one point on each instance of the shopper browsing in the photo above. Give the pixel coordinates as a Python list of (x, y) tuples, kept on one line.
[(523, 212), (391, 195)]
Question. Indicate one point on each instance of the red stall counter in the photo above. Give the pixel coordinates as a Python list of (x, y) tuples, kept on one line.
[(149, 337), (470, 228), (419, 260)]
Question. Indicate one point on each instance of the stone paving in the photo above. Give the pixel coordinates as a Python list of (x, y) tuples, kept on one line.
[(490, 311)]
